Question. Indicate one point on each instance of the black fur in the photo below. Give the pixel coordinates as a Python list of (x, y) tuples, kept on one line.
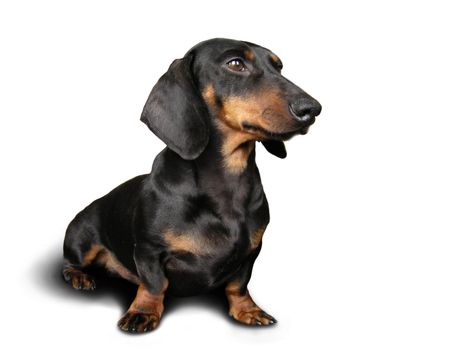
[(175, 111), (189, 190)]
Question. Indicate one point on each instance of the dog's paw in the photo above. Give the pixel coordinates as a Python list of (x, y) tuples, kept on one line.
[(138, 322), (78, 279), (254, 317)]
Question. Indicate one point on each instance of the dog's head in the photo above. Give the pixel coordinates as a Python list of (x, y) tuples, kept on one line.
[(236, 86)]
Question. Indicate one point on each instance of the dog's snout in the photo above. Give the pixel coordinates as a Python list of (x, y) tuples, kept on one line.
[(305, 110)]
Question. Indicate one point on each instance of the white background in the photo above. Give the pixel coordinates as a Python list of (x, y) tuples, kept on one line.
[(367, 244)]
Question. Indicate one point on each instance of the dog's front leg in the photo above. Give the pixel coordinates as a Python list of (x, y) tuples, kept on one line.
[(146, 309), (241, 306)]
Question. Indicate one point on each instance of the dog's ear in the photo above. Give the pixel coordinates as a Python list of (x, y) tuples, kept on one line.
[(175, 111), (275, 147)]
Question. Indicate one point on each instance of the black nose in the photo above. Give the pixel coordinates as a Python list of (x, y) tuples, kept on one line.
[(305, 109)]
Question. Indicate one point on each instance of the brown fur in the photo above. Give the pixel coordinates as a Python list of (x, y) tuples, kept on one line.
[(249, 54), (145, 312), (256, 237), (147, 302), (265, 110), (209, 96), (78, 279), (189, 242), (237, 144), (91, 254), (111, 263), (102, 256), (275, 58), (236, 148), (243, 308)]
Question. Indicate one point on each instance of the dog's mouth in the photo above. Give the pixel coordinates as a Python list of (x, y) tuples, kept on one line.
[(282, 136)]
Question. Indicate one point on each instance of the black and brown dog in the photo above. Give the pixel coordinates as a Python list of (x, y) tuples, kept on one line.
[(196, 222)]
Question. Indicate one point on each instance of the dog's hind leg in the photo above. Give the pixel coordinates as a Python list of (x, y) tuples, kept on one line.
[(80, 249)]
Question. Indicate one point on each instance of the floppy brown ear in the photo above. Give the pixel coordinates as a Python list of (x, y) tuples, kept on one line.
[(175, 111), (276, 148)]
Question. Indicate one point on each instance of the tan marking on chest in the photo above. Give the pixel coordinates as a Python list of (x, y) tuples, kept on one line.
[(187, 242), (256, 237)]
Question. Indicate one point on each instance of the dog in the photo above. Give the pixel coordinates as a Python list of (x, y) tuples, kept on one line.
[(195, 223)]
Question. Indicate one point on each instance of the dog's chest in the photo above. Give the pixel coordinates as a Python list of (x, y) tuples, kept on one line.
[(222, 227), (214, 241), (205, 256), (220, 221)]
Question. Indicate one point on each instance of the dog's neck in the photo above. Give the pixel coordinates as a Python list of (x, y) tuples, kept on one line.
[(229, 153), (234, 147)]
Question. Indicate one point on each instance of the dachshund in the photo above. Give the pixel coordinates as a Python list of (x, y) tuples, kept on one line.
[(195, 223)]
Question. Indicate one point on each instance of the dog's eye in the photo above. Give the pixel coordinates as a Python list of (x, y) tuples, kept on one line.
[(236, 65)]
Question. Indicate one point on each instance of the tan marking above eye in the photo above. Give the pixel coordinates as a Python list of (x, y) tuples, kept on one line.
[(277, 62), (250, 55)]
